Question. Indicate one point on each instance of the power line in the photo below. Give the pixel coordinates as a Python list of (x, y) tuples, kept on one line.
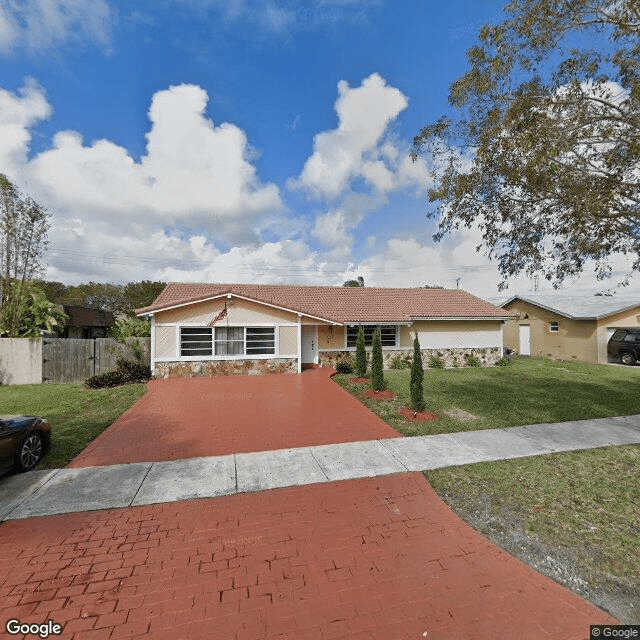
[(288, 270)]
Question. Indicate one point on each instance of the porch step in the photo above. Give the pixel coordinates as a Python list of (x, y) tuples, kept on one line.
[(309, 365)]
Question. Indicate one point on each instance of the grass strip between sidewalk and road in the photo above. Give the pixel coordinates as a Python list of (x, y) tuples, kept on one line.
[(530, 391), (574, 516), (77, 415)]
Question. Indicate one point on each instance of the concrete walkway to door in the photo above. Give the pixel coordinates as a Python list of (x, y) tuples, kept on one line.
[(182, 418)]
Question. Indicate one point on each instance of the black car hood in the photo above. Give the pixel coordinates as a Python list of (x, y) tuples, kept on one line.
[(17, 421)]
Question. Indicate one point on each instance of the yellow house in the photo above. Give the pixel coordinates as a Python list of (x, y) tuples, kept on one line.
[(566, 327), (218, 329)]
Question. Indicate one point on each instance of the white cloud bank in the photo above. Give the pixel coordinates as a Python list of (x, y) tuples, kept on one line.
[(194, 208)]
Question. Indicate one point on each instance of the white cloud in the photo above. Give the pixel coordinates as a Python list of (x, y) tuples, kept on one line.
[(19, 112), (194, 173), (350, 151), (38, 25)]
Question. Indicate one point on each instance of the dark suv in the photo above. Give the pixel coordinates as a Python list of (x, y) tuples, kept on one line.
[(624, 345)]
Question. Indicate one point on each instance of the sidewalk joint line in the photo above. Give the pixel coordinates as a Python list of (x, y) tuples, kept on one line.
[(318, 463), (393, 455), (141, 483)]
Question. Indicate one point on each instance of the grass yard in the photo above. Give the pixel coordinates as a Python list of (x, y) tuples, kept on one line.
[(77, 415), (530, 391), (581, 508)]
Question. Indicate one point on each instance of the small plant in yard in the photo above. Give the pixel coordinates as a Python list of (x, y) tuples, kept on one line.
[(473, 361), (377, 376), (503, 362), (361, 355), (417, 375), (344, 366), (126, 371), (435, 363), (400, 363), (136, 349)]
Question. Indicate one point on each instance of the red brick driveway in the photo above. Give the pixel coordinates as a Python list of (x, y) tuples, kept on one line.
[(374, 559), (188, 418)]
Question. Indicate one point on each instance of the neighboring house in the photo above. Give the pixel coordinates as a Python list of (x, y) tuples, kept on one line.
[(84, 322), (209, 329), (567, 328)]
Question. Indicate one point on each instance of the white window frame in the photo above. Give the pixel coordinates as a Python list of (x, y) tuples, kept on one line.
[(376, 325), (240, 356), (553, 324)]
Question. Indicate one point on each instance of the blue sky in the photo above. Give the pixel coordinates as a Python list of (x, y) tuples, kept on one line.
[(236, 140)]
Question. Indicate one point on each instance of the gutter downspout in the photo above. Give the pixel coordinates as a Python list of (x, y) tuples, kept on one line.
[(299, 343), (152, 362)]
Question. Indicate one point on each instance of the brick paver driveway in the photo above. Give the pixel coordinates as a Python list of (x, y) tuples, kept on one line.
[(374, 559), (188, 418)]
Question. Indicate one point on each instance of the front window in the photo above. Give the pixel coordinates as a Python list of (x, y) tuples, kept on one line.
[(195, 341), (227, 341), (388, 334), (261, 340), (553, 327)]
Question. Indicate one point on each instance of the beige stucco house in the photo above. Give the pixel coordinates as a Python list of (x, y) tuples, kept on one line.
[(212, 329), (566, 327)]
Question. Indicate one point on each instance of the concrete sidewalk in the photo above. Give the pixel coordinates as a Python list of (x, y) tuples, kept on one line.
[(58, 491)]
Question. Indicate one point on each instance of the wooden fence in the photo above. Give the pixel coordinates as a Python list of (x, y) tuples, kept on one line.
[(71, 360), (29, 361)]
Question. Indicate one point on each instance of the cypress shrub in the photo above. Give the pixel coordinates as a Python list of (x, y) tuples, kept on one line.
[(417, 375), (377, 377), (361, 355)]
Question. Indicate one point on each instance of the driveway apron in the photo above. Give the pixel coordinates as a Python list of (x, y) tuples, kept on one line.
[(187, 418), (372, 559)]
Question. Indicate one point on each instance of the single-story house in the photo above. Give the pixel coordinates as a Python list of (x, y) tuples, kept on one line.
[(85, 322), (566, 327), (210, 329)]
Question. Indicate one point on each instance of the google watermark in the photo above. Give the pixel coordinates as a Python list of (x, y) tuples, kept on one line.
[(598, 631), (44, 630)]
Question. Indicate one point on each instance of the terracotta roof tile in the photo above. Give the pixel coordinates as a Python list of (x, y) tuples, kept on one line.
[(341, 304)]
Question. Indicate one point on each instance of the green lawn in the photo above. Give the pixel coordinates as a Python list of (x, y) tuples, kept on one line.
[(77, 415), (582, 505), (530, 391)]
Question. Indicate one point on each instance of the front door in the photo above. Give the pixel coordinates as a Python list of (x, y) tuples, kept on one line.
[(309, 344), (525, 340)]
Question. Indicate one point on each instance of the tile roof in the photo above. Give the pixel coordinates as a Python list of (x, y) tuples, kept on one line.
[(578, 307), (340, 304)]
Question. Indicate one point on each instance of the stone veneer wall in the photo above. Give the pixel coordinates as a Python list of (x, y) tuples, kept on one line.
[(224, 368), (488, 356)]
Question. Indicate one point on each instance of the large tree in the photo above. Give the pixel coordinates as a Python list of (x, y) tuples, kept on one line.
[(544, 152), (23, 239)]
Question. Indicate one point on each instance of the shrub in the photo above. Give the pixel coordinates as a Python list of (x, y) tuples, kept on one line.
[(417, 375), (137, 350), (126, 371), (361, 355), (129, 328), (473, 361), (435, 363), (377, 377), (400, 363), (344, 366), (503, 362)]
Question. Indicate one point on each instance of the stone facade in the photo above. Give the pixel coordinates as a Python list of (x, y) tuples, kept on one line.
[(213, 368), (450, 357)]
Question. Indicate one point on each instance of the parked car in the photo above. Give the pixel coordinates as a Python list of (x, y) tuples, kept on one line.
[(624, 345), (23, 442)]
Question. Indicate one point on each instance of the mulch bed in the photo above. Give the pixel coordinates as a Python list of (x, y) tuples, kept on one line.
[(379, 395), (359, 380), (412, 416)]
